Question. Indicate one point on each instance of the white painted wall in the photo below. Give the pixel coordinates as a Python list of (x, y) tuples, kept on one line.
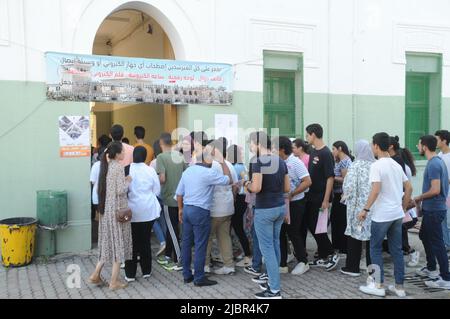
[(350, 46)]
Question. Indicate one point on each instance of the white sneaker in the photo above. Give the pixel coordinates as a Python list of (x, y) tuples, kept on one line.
[(424, 272), (122, 266), (439, 284), (290, 258), (284, 270), (207, 270), (225, 271), (247, 261), (372, 289), (300, 269), (399, 292), (414, 259), (161, 250), (130, 279)]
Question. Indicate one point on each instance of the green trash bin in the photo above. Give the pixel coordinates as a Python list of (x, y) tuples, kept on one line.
[(52, 209)]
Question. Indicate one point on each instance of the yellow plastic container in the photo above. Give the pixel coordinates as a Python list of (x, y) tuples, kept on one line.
[(17, 237)]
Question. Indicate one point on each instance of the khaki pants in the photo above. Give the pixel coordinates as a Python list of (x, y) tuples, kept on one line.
[(220, 228)]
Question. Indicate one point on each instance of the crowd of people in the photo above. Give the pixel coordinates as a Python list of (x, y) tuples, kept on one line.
[(199, 192)]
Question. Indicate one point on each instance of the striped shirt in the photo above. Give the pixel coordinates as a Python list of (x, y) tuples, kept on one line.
[(297, 171)]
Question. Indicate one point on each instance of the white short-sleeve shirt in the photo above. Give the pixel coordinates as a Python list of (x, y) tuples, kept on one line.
[(388, 205)]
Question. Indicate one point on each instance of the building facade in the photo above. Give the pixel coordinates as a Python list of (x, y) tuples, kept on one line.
[(355, 66)]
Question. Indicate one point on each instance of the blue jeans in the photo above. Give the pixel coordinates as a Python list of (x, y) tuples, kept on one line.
[(433, 242), (196, 230), (268, 226), (446, 229), (393, 230), (158, 229), (257, 257)]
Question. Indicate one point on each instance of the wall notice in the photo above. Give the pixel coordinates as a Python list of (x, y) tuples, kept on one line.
[(74, 136)]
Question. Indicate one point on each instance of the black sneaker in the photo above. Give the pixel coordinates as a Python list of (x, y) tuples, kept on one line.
[(268, 295), (252, 271), (350, 273), (205, 282), (332, 262), (189, 280), (261, 279), (318, 263), (264, 286)]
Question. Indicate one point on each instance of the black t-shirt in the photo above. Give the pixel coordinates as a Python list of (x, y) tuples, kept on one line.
[(273, 170), (321, 168)]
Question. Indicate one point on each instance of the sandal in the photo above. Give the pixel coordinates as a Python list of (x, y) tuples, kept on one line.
[(97, 282), (117, 286)]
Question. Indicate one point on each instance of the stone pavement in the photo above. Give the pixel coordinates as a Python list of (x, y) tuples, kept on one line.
[(47, 279)]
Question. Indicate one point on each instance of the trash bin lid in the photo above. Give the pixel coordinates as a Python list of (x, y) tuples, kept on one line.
[(20, 221)]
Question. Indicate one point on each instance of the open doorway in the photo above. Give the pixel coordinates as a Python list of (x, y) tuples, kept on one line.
[(132, 33)]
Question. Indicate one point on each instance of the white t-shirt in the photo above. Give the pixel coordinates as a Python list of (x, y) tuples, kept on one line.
[(142, 193), (446, 159), (95, 174), (388, 206), (223, 199)]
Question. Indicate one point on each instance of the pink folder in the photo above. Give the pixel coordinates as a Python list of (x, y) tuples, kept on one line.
[(322, 222)]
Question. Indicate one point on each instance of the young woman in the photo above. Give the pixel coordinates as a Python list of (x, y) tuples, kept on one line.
[(146, 209), (338, 216), (234, 156), (301, 150), (356, 190), (114, 238), (270, 181)]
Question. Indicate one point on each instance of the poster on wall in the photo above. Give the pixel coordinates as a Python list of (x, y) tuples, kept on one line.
[(226, 125), (74, 136), (109, 79)]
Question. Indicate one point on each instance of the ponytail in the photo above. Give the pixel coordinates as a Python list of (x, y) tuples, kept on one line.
[(340, 145)]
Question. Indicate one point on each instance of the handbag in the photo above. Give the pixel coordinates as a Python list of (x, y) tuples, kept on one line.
[(124, 215)]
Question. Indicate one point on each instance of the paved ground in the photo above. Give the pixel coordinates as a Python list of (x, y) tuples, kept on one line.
[(47, 279)]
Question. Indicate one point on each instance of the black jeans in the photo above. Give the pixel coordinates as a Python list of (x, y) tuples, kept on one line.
[(141, 234), (237, 223), (295, 231), (313, 204), (354, 251), (338, 224), (173, 216)]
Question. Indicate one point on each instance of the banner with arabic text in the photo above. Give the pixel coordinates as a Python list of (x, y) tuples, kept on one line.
[(110, 79)]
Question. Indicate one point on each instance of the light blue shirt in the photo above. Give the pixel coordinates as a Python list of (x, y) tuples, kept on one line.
[(197, 185)]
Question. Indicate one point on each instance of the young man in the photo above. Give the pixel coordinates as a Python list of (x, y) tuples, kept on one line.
[(116, 134), (139, 133), (321, 170), (170, 166), (270, 181), (221, 212), (433, 200), (300, 182), (387, 212), (443, 138), (194, 196)]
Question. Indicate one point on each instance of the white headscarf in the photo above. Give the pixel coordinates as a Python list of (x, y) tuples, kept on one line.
[(363, 151)]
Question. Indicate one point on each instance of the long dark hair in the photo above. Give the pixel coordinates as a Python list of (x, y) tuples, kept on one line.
[(344, 148), (301, 143), (408, 158), (111, 151)]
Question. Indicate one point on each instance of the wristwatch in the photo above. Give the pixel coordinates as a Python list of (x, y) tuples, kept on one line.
[(366, 210)]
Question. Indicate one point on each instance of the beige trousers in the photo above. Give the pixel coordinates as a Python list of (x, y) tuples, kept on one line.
[(220, 228)]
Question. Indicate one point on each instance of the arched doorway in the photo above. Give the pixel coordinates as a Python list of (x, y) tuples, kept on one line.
[(132, 33)]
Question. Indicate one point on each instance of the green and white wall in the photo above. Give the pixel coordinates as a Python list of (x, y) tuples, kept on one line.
[(353, 76)]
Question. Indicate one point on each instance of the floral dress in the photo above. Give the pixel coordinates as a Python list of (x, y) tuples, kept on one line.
[(114, 238), (356, 189)]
